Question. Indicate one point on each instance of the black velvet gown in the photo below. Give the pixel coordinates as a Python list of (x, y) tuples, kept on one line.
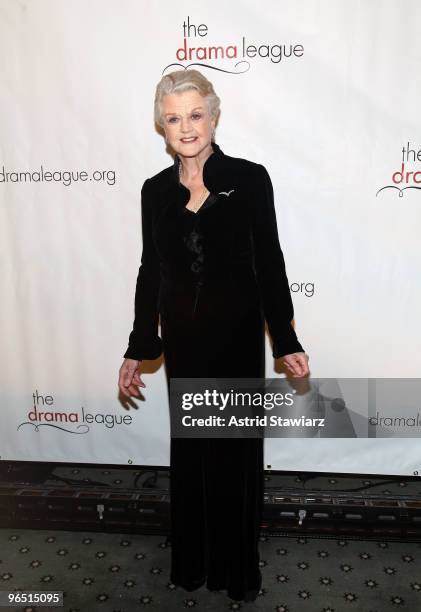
[(213, 277)]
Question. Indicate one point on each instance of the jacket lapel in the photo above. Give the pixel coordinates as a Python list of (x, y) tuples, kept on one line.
[(215, 178)]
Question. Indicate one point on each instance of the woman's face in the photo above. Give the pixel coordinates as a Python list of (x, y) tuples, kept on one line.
[(186, 116)]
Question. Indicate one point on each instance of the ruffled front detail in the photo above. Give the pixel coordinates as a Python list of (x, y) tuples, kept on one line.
[(194, 243)]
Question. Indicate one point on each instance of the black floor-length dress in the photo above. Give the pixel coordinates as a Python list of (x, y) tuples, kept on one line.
[(213, 277)]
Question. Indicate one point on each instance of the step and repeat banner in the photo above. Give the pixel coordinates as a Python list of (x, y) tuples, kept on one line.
[(324, 93)]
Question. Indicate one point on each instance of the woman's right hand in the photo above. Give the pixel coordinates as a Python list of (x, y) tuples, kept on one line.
[(129, 378)]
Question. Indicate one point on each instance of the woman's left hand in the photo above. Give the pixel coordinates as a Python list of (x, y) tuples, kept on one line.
[(297, 364)]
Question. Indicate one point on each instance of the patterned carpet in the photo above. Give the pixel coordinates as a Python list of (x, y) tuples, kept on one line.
[(120, 572)]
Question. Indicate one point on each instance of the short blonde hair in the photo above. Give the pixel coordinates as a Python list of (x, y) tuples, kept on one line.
[(184, 80)]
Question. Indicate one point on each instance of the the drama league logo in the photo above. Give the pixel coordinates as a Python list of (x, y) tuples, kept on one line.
[(44, 414), (199, 51), (407, 176)]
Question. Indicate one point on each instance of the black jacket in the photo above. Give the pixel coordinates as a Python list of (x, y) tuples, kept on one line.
[(240, 240)]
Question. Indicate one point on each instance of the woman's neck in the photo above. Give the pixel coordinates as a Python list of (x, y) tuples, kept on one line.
[(192, 167)]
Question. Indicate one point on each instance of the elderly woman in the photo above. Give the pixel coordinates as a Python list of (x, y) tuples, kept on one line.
[(212, 270)]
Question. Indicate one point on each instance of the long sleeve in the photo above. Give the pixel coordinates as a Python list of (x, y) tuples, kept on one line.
[(144, 342), (270, 268)]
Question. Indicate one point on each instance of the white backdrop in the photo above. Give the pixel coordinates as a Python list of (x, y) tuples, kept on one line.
[(331, 119)]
